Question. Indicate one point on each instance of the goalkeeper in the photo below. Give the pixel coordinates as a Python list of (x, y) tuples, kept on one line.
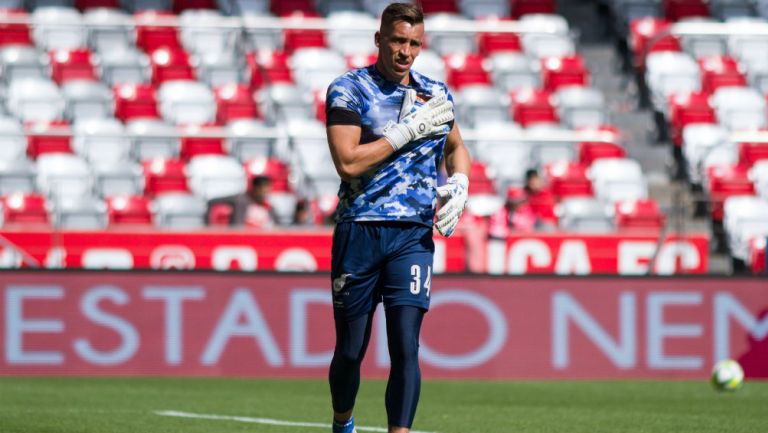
[(388, 128)]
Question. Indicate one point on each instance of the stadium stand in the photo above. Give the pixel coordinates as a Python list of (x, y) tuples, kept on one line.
[(123, 104)]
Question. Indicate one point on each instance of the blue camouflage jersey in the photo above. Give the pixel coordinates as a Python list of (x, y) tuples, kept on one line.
[(402, 187)]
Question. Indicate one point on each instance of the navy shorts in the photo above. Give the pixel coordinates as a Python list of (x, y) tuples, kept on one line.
[(380, 261)]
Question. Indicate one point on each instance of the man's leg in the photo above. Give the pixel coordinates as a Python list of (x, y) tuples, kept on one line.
[(404, 386), (352, 338)]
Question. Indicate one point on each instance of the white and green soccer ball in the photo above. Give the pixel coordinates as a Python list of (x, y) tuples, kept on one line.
[(727, 375)]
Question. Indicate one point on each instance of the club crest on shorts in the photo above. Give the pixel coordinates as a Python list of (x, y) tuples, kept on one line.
[(340, 282)]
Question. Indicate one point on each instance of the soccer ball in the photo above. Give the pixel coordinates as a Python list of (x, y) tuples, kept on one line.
[(727, 375)]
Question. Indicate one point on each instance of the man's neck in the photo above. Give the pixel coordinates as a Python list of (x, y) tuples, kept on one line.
[(405, 82)]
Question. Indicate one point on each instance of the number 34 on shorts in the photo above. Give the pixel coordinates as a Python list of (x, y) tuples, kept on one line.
[(416, 285)]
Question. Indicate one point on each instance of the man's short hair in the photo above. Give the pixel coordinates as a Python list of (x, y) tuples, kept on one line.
[(408, 12)]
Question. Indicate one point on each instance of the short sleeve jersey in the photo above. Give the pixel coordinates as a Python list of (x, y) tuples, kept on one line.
[(402, 187)]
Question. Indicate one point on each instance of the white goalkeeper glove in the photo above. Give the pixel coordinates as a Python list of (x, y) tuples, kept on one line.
[(455, 192), (416, 122)]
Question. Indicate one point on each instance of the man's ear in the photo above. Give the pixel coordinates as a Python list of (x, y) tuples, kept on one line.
[(377, 39)]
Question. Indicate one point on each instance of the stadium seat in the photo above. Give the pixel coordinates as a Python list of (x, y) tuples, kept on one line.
[(430, 63), (720, 71), (477, 9), (531, 106), (580, 107), (442, 38), (543, 45), (153, 138), (669, 72), (489, 43), (291, 7), (675, 10), (557, 72), (309, 144), (273, 168), (496, 146), (205, 31), (35, 99), (24, 209), (118, 178), (643, 214), (185, 6), (179, 211), (221, 68), (744, 218), (375, 7), (464, 70), (699, 140), (357, 61), (13, 143), (199, 140), (17, 176), (20, 62), (315, 68), (757, 256), (699, 40), (344, 38), (62, 175), (162, 176), (478, 104), (567, 179), (644, 39), (14, 33), (267, 68), (284, 206), (686, 109), (101, 140), (521, 8), (129, 66), (86, 5), (186, 102), (248, 139), (87, 100), (751, 153), (590, 151), (156, 29), (758, 174), (234, 102), (583, 215), (109, 29), (80, 213), (615, 179), (58, 27), (512, 71), (282, 102), (727, 9), (262, 31), (545, 148), (169, 64), (135, 101), (214, 176), (128, 210), (48, 137), (740, 108), (724, 181), (294, 39), (69, 65)]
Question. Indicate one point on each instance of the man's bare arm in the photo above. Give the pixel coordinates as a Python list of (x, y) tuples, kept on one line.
[(350, 158), (457, 159)]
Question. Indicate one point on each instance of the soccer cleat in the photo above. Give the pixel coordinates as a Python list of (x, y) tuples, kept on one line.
[(347, 427)]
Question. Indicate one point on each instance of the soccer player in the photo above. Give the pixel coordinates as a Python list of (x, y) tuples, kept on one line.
[(388, 128)]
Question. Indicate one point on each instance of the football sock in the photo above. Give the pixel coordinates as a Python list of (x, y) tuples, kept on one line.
[(404, 385), (352, 338), (347, 427)]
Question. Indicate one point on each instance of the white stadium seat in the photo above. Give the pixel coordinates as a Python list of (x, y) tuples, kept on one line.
[(744, 217), (315, 68), (35, 99), (13, 142), (16, 175), (668, 72), (118, 178), (109, 30), (61, 175), (87, 100), (179, 211), (479, 104), (281, 102), (153, 139), (615, 179), (101, 140), (443, 40), (123, 67), (739, 108), (580, 107), (56, 27), (583, 215), (699, 139), (513, 71), (430, 63), (213, 176), (186, 102), (17, 61), (244, 141), (80, 213), (344, 38)]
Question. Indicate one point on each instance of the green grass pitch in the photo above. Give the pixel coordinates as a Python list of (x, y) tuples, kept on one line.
[(105, 405)]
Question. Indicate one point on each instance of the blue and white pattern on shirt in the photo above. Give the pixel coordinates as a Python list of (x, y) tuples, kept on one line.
[(402, 187)]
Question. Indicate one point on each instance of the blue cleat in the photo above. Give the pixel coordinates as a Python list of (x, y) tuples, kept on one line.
[(347, 427)]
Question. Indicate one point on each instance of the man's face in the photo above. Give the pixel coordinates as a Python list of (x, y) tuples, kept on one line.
[(399, 44)]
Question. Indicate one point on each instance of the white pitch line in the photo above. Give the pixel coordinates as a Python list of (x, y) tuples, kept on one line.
[(269, 421)]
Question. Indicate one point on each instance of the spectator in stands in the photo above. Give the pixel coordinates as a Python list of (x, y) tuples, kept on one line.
[(250, 209), (526, 209)]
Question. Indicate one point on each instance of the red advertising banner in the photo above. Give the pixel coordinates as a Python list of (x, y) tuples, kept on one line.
[(560, 253), (280, 325)]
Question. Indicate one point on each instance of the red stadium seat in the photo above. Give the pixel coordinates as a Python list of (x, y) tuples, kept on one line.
[(568, 179), (750, 153), (48, 137), (16, 33), (180, 6), (757, 255), (283, 8), (720, 71), (219, 215), (532, 106), (234, 101), (439, 6), (356, 61), (293, 39), (479, 180), (543, 205), (92, 4), (675, 10), (590, 151), (687, 108), (128, 210), (489, 43), (192, 145), (169, 63), (19, 208), (71, 65), (277, 170), (524, 7), (156, 29), (643, 39), (319, 103), (557, 72), (164, 175), (133, 101), (466, 69), (726, 181), (268, 67), (638, 214)]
